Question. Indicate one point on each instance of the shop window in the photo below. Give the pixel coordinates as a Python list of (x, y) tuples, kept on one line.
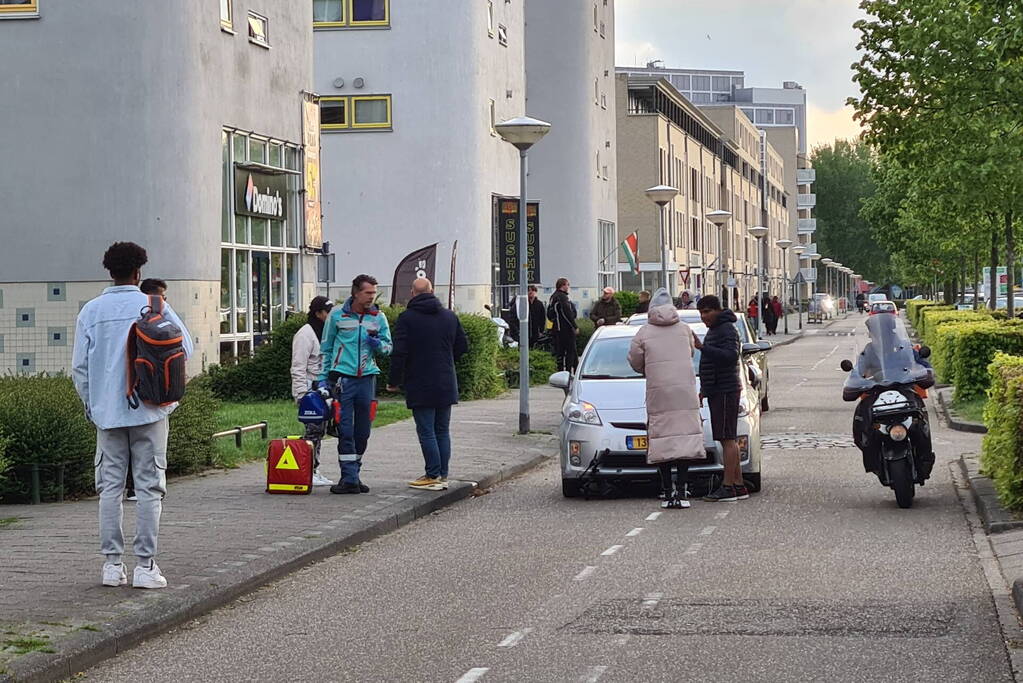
[(241, 286), (227, 14), (10, 9), (259, 231), (225, 291), (275, 155), (351, 13), (258, 29), (373, 111), (257, 151), (333, 113)]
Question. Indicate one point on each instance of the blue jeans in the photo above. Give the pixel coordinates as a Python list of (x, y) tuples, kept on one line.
[(356, 396), (432, 427)]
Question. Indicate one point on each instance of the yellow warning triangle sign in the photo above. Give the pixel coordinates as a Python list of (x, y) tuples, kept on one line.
[(287, 461)]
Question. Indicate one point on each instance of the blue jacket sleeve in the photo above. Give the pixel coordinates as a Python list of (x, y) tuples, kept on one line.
[(386, 344)]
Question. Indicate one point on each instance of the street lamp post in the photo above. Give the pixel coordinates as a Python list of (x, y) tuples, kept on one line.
[(661, 195), (523, 132), (759, 232), (784, 245), (719, 218)]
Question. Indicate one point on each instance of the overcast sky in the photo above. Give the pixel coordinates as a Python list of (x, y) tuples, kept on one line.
[(811, 42)]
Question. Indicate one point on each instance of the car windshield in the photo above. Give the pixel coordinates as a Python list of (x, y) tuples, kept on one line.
[(609, 359)]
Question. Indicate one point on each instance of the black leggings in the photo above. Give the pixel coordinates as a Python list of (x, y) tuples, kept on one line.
[(682, 466)]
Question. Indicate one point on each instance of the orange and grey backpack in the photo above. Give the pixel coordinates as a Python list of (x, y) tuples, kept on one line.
[(156, 358)]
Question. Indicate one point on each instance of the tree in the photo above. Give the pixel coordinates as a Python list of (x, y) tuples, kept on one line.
[(843, 183)]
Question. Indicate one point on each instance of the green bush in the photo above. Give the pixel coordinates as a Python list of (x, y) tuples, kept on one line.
[(5, 463), (44, 422), (190, 446), (914, 308), (976, 346), (586, 329), (628, 300), (541, 366), (935, 317), (266, 375), (478, 375), (1002, 451)]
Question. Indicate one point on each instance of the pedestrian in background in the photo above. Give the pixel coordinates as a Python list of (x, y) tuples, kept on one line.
[(779, 313), (752, 312), (607, 310), (662, 351), (719, 383), (125, 432), (770, 319), (306, 365), (428, 341), (537, 317), (562, 313), (685, 301), (643, 305), (354, 334)]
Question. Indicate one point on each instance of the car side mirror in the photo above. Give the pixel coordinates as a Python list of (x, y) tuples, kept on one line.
[(764, 345), (749, 348), (846, 365), (754, 377), (560, 380), (925, 351)]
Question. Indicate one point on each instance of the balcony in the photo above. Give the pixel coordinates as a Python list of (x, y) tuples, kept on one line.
[(806, 201), (806, 226), (805, 176)]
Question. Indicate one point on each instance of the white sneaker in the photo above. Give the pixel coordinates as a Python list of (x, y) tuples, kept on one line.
[(114, 575), (320, 480), (443, 483), (148, 578)]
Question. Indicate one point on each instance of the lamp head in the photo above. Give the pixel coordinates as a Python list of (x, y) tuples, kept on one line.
[(798, 249), (523, 132), (758, 231), (826, 261), (783, 244), (719, 217), (661, 194)]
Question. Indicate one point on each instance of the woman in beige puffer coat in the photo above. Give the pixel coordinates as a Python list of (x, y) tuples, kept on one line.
[(662, 351)]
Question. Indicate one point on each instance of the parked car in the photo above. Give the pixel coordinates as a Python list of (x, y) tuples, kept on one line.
[(756, 361), (604, 415)]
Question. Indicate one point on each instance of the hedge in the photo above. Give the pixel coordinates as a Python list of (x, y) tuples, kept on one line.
[(190, 446), (5, 462), (1002, 450), (975, 348), (914, 307), (541, 366), (629, 301), (934, 317), (586, 329)]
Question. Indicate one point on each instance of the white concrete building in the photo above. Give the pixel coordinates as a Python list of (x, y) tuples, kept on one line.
[(139, 123)]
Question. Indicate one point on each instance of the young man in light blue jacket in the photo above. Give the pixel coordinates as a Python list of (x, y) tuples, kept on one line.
[(123, 433), (352, 336)]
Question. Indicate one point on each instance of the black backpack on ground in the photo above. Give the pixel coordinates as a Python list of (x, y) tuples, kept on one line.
[(156, 358)]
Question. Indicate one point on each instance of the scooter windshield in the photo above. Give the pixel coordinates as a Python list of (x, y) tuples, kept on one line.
[(887, 359)]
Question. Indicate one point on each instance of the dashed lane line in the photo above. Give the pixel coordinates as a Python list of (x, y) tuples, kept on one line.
[(635, 532), (707, 530), (593, 674), (652, 599), (693, 549), (721, 515), (514, 638), (652, 516), (612, 550), (585, 573), (473, 674)]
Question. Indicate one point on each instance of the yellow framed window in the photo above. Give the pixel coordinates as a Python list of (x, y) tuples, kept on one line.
[(333, 113), (259, 29), (351, 13), (371, 111), (8, 7), (226, 14)]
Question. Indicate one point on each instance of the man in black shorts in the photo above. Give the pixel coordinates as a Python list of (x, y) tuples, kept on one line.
[(719, 383)]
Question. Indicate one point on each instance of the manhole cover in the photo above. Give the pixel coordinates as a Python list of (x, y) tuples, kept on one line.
[(806, 441), (723, 618)]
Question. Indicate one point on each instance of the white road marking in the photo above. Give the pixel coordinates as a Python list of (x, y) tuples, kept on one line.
[(593, 674), (473, 674), (721, 515), (635, 532), (693, 549), (612, 550), (513, 639), (707, 530), (585, 573), (652, 516), (824, 358), (652, 599), (477, 422)]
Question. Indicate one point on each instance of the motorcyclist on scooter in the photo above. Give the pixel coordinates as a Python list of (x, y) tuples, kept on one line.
[(889, 360)]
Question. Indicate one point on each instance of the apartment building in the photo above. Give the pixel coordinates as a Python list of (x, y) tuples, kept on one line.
[(664, 139), (699, 86), (198, 160)]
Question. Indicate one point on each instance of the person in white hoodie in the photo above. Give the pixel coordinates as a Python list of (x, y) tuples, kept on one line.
[(306, 364), (125, 431)]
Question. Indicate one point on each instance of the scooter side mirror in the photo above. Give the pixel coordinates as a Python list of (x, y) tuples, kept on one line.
[(925, 351), (846, 365)]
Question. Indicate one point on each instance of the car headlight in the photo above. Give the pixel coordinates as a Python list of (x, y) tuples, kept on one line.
[(583, 413)]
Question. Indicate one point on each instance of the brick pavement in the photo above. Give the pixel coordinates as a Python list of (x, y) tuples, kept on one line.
[(222, 535)]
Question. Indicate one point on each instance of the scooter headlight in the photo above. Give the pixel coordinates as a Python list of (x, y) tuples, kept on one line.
[(583, 413), (898, 432)]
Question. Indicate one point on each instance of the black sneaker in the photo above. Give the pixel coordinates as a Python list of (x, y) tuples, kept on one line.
[(741, 492), (722, 494), (363, 488), (345, 488)]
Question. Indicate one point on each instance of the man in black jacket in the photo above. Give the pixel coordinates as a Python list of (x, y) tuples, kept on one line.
[(428, 339), (561, 312), (719, 383), (537, 317)]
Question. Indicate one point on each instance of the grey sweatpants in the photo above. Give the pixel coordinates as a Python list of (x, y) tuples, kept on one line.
[(146, 447)]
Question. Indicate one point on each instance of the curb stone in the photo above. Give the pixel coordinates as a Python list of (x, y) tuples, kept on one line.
[(996, 519), (953, 422), (85, 649)]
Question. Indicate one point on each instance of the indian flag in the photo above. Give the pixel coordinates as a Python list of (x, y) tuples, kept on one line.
[(631, 247)]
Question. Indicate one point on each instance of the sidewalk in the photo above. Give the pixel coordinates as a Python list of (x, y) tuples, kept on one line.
[(222, 536)]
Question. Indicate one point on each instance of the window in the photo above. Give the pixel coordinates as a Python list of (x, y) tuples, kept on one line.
[(502, 34), (493, 118), (695, 245), (595, 21), (701, 82), (784, 116), (701, 98), (722, 84), (596, 91), (361, 112), (598, 163), (681, 82), (607, 243), (490, 18), (226, 14), (603, 101), (19, 8), (601, 29), (258, 30), (765, 116), (351, 13)]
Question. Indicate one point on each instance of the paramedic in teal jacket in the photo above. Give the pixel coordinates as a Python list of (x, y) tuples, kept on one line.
[(354, 334)]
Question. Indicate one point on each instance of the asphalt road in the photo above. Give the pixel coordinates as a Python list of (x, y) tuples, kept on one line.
[(819, 577)]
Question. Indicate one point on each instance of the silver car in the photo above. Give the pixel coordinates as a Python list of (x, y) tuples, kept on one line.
[(604, 415)]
